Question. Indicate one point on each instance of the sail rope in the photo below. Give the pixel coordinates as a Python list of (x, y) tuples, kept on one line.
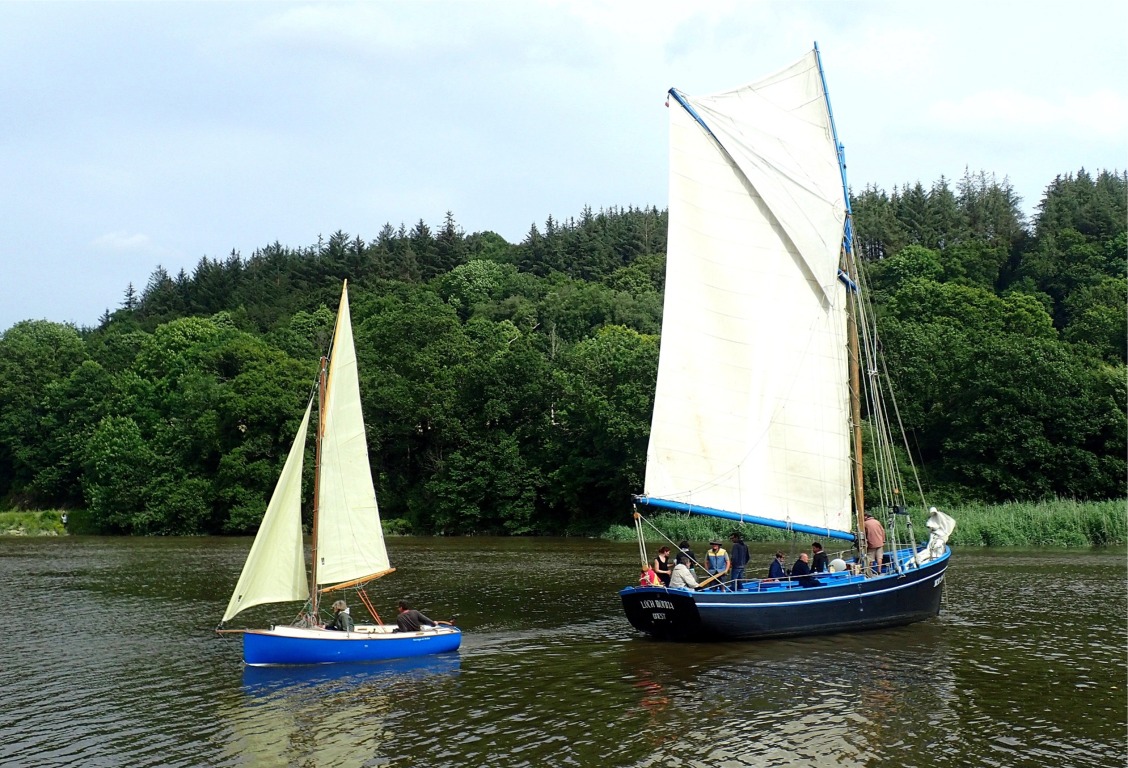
[(889, 472)]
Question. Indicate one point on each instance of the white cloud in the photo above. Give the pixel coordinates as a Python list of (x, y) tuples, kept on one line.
[(122, 241), (1101, 114)]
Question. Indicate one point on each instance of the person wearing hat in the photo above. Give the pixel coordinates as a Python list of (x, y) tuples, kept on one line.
[(717, 561)]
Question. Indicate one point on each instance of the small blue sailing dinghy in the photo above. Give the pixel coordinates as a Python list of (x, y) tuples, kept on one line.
[(348, 542)]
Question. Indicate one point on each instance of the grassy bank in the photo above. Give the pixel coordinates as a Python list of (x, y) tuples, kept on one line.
[(45, 523), (1043, 524)]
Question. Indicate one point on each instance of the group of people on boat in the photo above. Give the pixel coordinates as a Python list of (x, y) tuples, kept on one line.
[(726, 570)]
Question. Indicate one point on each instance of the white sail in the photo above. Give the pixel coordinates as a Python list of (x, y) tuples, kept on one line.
[(751, 406), (350, 541), (275, 570)]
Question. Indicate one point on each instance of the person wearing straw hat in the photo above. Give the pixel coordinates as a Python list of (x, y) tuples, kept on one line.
[(717, 561)]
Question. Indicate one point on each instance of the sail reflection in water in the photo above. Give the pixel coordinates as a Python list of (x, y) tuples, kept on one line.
[(353, 706)]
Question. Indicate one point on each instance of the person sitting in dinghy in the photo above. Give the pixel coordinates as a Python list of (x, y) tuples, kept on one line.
[(411, 620), (342, 621)]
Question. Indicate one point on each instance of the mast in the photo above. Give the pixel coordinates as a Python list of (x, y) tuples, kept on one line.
[(321, 385), (851, 316), (856, 410)]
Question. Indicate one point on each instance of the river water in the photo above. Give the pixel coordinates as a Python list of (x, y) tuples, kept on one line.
[(109, 659)]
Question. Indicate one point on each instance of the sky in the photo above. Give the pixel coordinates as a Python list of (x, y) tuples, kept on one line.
[(138, 135)]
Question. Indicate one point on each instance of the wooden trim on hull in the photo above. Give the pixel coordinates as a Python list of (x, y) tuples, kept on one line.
[(885, 601)]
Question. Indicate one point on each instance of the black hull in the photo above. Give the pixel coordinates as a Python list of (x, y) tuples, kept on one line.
[(846, 606)]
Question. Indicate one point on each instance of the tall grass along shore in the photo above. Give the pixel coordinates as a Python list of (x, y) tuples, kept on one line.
[(1061, 523)]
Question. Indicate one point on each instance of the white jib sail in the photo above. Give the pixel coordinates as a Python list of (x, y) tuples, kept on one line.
[(751, 407), (275, 570), (350, 541)]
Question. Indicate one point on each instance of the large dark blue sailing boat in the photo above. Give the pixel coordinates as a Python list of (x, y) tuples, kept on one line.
[(768, 359)]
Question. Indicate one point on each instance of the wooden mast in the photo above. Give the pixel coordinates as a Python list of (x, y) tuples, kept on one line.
[(852, 288), (855, 399), (321, 385)]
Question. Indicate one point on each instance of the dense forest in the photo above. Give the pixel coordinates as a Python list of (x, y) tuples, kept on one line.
[(507, 387)]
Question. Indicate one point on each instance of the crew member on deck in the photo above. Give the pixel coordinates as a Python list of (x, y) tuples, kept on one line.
[(683, 577), (739, 559), (717, 561), (820, 563), (776, 570), (802, 571), (875, 543)]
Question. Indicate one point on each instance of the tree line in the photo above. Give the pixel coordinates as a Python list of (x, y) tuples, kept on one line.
[(507, 387)]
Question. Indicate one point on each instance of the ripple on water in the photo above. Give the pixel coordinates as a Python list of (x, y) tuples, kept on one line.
[(1024, 667)]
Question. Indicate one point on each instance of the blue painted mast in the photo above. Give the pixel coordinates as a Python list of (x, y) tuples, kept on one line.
[(852, 315)]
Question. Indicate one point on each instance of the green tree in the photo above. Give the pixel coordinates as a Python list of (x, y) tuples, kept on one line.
[(34, 355), (601, 424)]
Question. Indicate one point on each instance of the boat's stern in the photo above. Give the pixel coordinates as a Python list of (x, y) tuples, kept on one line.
[(664, 613)]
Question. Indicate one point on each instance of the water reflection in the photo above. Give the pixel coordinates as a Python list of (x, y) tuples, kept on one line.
[(326, 679), (327, 714), (844, 700)]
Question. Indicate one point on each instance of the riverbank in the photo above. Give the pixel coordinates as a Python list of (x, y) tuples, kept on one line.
[(50, 522), (1061, 523)]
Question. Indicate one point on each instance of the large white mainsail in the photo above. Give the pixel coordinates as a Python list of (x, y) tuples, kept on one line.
[(350, 541), (751, 406), (275, 569)]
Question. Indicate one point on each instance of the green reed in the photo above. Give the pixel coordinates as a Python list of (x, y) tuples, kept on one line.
[(33, 523), (1060, 523)]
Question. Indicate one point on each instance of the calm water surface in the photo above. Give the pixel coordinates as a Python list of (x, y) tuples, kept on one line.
[(110, 660)]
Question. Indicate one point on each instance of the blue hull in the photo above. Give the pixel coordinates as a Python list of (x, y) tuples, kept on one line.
[(286, 646), (841, 603)]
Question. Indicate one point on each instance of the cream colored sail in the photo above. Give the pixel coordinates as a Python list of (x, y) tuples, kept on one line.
[(275, 569), (350, 541), (751, 405)]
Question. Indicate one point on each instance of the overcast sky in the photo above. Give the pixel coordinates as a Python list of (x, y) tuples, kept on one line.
[(138, 135)]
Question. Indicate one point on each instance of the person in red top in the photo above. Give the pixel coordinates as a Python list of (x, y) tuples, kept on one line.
[(875, 542)]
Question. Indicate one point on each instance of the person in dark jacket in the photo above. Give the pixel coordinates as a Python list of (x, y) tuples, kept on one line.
[(820, 563), (409, 619), (802, 571), (776, 570), (739, 558), (342, 621), (684, 549)]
